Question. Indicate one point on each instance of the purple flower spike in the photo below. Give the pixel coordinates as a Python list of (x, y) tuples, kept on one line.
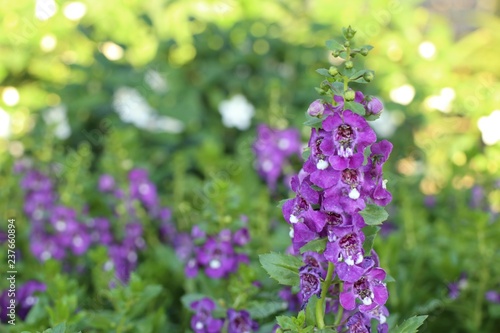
[(240, 322), (370, 289), (202, 321), (310, 283)]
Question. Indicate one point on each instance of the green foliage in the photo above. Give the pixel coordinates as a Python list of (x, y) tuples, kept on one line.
[(374, 215), (282, 267)]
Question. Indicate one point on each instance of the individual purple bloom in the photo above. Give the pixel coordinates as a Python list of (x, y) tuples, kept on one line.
[(106, 183), (197, 232), (133, 235), (183, 245), (100, 231), (351, 135), (477, 197), (310, 283), (347, 195), (301, 235), (295, 209), (316, 109), (217, 257), (351, 273), (240, 322), (202, 321), (24, 300), (347, 249), (142, 188), (241, 237), (369, 289), (45, 247), (373, 105), (492, 296), (124, 261), (314, 259), (321, 146), (80, 241), (380, 313), (374, 182), (63, 219), (358, 323), (38, 203)]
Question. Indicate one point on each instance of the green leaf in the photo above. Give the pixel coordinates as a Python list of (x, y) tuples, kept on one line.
[(317, 245), (306, 153), (326, 330), (333, 45), (282, 202), (324, 72), (338, 88), (368, 47), (374, 215), (313, 122), (370, 232), (282, 267), (358, 74), (410, 325), (286, 323), (263, 309), (61, 328), (389, 278), (355, 107)]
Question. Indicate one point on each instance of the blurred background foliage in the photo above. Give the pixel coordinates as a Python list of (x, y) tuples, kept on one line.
[(68, 68)]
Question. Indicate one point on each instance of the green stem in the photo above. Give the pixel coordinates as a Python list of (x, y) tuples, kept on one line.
[(340, 311), (320, 312)]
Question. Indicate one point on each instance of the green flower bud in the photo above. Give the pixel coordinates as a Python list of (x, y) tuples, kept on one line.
[(368, 76), (363, 51), (349, 95), (333, 71), (347, 43), (336, 53), (325, 86), (349, 33), (349, 64)]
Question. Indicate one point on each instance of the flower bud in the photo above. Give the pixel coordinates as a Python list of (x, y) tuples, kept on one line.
[(347, 43), (316, 108), (364, 51), (333, 71), (349, 95), (368, 76), (336, 53), (373, 105), (349, 64)]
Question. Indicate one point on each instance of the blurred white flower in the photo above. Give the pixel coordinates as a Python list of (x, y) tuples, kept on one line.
[(441, 102), (45, 9), (427, 49), (10, 96), (489, 127), (403, 95), (133, 108), (386, 125), (75, 10), (236, 112), (112, 51), (57, 117), (155, 81), (4, 124)]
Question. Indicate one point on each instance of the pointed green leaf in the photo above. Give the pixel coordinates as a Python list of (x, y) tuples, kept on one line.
[(370, 232), (355, 107), (317, 245), (410, 325), (333, 45), (324, 72), (282, 267), (338, 88), (261, 309), (374, 215), (313, 122)]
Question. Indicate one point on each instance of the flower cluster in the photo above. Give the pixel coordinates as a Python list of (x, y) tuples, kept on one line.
[(24, 300), (214, 254), (59, 232), (203, 320), (339, 179), (273, 148)]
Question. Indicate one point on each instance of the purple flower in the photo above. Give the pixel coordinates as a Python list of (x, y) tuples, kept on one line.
[(106, 183), (321, 146), (492, 296), (273, 148), (348, 194), (217, 257), (380, 313), (351, 135), (45, 247), (292, 300), (369, 289), (454, 288), (241, 237), (124, 261), (373, 105), (36, 181), (24, 300), (347, 248), (310, 283), (142, 188), (295, 209), (316, 108), (100, 232), (358, 323), (240, 322), (202, 321)]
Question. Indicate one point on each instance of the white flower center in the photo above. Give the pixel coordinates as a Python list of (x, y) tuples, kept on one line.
[(215, 264), (46, 255), (77, 241), (198, 325), (144, 189), (367, 301), (293, 219), (30, 300), (132, 256), (322, 165), (354, 194), (291, 233), (60, 226), (108, 266), (384, 184), (283, 144), (267, 166)]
